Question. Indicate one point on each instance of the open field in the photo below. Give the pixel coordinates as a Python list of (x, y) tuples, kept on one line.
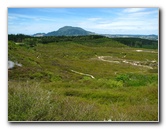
[(83, 80)]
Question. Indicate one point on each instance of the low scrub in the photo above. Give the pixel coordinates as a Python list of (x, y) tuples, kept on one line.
[(29, 102)]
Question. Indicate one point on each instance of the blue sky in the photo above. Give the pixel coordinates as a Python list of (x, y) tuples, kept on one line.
[(99, 20)]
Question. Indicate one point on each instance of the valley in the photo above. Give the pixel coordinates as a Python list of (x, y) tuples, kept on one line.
[(83, 78)]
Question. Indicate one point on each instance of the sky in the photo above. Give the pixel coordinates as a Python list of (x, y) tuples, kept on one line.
[(99, 20)]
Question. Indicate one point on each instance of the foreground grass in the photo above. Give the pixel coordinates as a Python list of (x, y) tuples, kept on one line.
[(33, 101), (29, 102)]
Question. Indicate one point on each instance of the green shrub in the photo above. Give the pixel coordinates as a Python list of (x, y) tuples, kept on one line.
[(136, 79), (109, 83), (122, 77)]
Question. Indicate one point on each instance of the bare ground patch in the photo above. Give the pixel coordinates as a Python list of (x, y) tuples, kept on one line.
[(146, 64)]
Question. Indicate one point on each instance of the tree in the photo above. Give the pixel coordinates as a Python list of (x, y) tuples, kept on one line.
[(138, 44), (30, 42)]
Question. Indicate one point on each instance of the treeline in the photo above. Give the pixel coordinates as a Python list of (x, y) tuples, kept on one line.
[(17, 37), (31, 41), (49, 39), (138, 42)]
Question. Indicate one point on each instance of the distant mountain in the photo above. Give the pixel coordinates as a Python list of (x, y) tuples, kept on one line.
[(39, 35), (69, 31), (77, 31), (150, 37)]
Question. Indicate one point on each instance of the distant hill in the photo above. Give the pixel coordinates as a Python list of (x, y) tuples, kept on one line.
[(150, 37), (69, 31), (78, 31), (39, 34)]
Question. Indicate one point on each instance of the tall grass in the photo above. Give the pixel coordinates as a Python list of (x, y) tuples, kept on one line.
[(29, 102)]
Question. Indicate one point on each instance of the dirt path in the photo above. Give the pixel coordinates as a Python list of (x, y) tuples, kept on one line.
[(137, 64), (89, 75), (111, 61), (131, 62), (145, 51)]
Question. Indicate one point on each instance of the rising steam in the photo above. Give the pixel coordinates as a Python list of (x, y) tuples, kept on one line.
[(11, 64)]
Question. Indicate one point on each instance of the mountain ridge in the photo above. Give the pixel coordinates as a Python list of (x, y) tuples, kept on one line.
[(78, 31), (69, 31)]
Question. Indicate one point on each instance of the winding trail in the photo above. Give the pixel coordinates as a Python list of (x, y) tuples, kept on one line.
[(137, 64), (111, 61), (145, 51), (83, 74), (134, 63)]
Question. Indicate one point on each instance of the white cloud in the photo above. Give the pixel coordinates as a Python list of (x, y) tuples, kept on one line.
[(129, 20), (94, 19), (124, 24), (35, 18), (133, 10)]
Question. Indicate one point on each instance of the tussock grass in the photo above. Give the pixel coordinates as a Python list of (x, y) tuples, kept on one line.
[(32, 101), (29, 102)]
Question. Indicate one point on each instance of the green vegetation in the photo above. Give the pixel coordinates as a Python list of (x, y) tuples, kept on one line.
[(138, 42), (124, 87)]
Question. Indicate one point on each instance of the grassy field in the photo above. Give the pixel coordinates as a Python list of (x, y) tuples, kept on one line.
[(55, 82)]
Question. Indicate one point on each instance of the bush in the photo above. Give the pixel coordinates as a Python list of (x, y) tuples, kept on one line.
[(123, 77), (109, 83), (30, 42), (136, 79)]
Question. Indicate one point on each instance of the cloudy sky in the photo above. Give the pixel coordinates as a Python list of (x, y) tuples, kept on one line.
[(98, 20)]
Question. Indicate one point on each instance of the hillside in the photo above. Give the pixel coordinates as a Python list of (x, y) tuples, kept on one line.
[(82, 78)]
